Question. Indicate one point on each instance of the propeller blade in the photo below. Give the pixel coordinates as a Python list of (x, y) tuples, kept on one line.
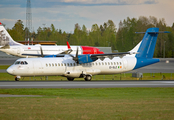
[(76, 57), (41, 51), (77, 52)]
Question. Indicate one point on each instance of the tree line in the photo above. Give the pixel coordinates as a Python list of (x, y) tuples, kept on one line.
[(122, 38)]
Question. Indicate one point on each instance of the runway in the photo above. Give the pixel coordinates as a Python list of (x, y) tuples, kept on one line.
[(84, 84)]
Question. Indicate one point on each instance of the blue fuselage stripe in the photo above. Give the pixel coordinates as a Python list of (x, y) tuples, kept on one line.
[(141, 62)]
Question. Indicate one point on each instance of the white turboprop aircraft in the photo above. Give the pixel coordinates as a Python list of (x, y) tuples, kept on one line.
[(9, 46), (88, 65)]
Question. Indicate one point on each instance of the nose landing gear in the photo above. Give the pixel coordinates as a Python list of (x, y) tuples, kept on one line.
[(17, 78)]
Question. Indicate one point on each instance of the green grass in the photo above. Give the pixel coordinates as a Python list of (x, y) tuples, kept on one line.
[(4, 66), (94, 103), (124, 76)]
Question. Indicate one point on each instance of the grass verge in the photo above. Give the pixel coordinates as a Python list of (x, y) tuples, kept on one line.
[(4, 66), (94, 103), (123, 76)]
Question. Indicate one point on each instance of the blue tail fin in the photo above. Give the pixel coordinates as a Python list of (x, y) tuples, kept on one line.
[(147, 47)]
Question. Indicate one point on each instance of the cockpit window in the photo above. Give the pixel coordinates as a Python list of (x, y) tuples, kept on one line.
[(21, 62), (17, 62)]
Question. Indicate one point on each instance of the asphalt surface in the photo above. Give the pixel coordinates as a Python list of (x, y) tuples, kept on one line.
[(7, 61), (8, 95), (84, 84)]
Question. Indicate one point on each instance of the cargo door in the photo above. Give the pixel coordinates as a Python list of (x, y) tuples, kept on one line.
[(124, 63)]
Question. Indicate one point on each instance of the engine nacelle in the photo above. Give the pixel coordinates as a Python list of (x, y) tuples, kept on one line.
[(86, 59)]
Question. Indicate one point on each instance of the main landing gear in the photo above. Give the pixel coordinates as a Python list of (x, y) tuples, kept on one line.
[(17, 78), (70, 79), (86, 77)]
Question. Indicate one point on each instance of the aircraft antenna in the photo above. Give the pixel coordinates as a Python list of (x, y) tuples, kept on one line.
[(28, 22)]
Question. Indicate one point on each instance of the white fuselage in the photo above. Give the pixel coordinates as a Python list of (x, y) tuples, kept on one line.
[(35, 49), (65, 66)]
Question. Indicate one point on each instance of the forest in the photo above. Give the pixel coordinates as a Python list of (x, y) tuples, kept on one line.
[(122, 38)]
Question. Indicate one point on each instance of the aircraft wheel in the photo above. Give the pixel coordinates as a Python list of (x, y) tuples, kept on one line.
[(70, 79), (17, 79), (88, 78)]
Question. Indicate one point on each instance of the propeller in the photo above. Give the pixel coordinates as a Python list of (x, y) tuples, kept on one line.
[(76, 59), (41, 51)]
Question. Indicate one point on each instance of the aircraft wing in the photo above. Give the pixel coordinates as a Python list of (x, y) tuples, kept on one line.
[(111, 55), (62, 54), (80, 59), (45, 55)]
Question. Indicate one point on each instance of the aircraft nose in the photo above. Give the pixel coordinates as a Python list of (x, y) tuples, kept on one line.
[(10, 70)]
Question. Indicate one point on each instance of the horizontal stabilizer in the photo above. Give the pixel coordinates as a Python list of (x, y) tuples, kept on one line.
[(147, 46), (152, 32)]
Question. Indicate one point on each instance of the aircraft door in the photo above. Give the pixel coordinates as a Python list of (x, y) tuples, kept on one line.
[(124, 63)]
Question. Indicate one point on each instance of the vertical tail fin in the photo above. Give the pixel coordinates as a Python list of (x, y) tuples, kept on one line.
[(5, 38), (146, 48)]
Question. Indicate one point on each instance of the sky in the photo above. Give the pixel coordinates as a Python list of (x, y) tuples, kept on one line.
[(64, 14)]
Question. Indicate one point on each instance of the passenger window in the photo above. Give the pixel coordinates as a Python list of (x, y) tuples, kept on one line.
[(111, 63), (108, 63), (117, 63), (46, 65), (62, 64), (65, 64), (96, 63), (99, 64), (120, 63), (55, 64), (58, 64), (70, 64), (105, 63), (74, 64), (102, 63), (52, 64), (114, 63), (92, 63)]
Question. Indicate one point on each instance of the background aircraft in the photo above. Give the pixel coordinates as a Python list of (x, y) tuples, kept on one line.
[(88, 65), (9, 46)]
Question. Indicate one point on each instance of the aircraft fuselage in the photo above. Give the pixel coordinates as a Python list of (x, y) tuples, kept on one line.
[(50, 50), (68, 68)]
